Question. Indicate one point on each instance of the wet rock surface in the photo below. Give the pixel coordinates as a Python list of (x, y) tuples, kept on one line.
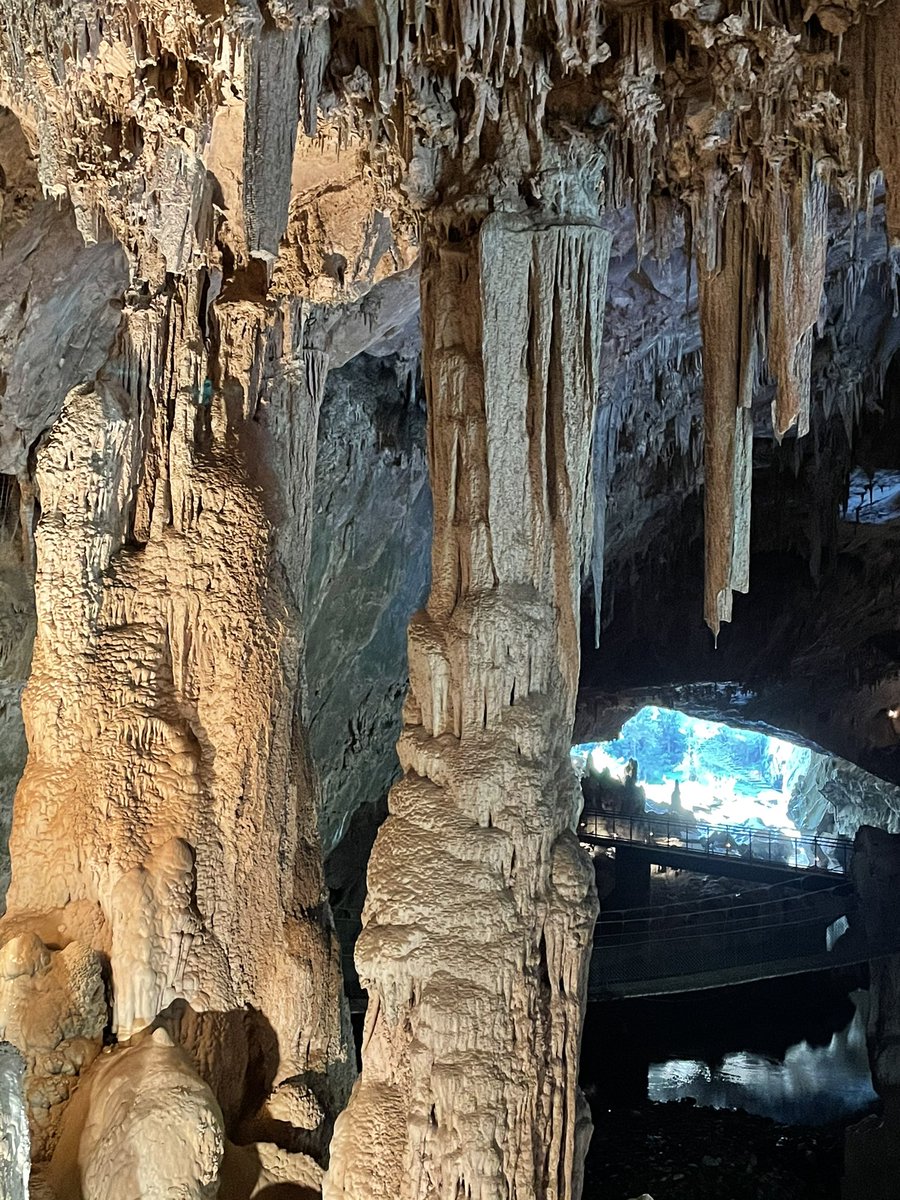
[(680, 1151)]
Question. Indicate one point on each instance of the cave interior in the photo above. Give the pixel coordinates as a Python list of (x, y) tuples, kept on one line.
[(393, 398)]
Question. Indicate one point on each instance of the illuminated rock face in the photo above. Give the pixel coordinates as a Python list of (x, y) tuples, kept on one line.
[(173, 766), (53, 1009), (15, 1156)]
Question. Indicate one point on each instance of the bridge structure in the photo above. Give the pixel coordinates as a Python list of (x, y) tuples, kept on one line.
[(715, 942), (733, 851), (809, 922)]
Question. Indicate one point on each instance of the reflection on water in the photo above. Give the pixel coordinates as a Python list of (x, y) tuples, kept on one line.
[(813, 1085)]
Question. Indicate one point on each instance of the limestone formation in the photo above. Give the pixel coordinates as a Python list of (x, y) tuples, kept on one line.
[(15, 1147), (53, 1010), (471, 1042), (141, 1119), (242, 245), (174, 764)]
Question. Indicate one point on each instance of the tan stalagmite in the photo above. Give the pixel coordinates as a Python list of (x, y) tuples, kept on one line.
[(142, 1119), (166, 815), (477, 927)]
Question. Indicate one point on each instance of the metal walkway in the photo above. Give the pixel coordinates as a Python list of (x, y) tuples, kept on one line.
[(716, 941), (710, 943), (735, 851)]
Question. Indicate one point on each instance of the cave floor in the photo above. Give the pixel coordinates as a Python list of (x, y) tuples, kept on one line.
[(679, 1151)]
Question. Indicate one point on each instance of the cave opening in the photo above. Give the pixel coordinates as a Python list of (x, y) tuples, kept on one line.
[(684, 764), (726, 1028)]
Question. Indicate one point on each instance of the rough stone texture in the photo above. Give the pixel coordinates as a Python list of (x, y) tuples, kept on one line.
[(872, 1157), (839, 797), (15, 1152), (368, 573), (473, 1029), (16, 640), (231, 202), (60, 301), (141, 1118), (53, 1010), (177, 785)]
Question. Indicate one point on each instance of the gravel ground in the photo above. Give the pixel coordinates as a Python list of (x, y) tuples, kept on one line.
[(678, 1151)]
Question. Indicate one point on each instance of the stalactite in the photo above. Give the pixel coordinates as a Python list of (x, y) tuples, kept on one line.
[(884, 106), (181, 787), (641, 106), (798, 239), (728, 299), (603, 457), (270, 133)]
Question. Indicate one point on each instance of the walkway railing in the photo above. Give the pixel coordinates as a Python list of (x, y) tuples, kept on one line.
[(804, 853), (642, 952)]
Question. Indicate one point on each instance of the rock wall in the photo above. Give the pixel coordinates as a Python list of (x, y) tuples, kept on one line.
[(839, 797), (15, 1155), (368, 574), (872, 1156), (205, 209)]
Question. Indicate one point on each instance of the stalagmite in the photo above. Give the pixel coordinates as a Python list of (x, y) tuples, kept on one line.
[(142, 1119), (166, 814), (728, 299), (478, 921), (53, 1010), (205, 209)]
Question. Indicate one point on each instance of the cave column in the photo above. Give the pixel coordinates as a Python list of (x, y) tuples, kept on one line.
[(478, 924)]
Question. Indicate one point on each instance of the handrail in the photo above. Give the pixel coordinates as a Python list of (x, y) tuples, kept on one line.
[(632, 962), (683, 935), (817, 855), (718, 904)]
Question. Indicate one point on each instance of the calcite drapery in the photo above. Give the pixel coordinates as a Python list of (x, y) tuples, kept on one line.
[(727, 296), (478, 922), (798, 239), (782, 240)]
